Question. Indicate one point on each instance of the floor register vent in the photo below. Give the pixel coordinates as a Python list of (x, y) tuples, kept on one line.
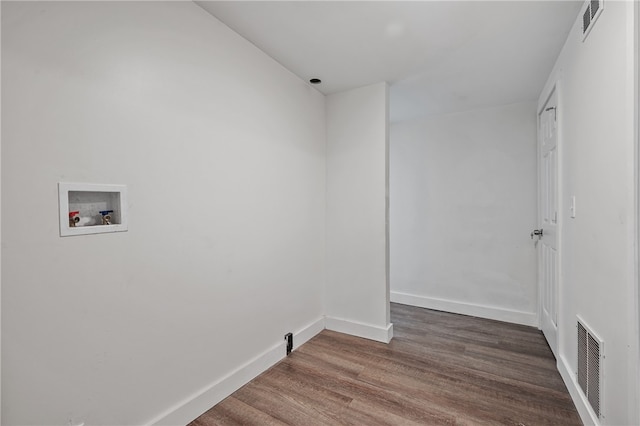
[(590, 13), (590, 362)]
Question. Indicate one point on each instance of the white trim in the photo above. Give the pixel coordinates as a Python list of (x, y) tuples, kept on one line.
[(587, 415), (194, 405), (0, 241), (634, 332), (387, 221), (307, 333), (359, 329), (561, 210), (471, 309)]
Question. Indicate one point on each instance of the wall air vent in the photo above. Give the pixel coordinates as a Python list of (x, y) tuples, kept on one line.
[(591, 10), (590, 363)]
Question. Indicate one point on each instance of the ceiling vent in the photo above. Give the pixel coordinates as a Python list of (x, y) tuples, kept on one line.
[(590, 363), (591, 10)]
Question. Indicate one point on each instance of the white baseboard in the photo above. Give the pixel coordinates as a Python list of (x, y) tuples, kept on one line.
[(307, 332), (587, 415), (489, 312), (194, 405), (359, 329)]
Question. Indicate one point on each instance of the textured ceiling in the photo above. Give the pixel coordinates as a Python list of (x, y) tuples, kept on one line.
[(437, 56)]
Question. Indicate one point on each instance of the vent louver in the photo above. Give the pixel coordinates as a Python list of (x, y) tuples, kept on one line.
[(586, 19), (589, 374), (590, 12)]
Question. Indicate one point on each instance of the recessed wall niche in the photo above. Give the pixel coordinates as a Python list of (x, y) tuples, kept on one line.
[(87, 208)]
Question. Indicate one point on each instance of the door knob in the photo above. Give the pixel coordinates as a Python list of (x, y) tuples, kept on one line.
[(538, 232)]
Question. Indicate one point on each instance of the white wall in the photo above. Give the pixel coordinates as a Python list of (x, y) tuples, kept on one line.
[(223, 153), (596, 135), (463, 203), (357, 143)]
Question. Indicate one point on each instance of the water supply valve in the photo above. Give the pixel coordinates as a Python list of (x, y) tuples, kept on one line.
[(106, 216), (73, 219)]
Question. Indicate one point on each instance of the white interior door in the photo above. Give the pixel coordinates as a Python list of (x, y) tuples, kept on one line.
[(547, 239)]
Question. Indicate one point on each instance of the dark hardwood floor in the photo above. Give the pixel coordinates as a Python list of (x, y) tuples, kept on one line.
[(440, 368)]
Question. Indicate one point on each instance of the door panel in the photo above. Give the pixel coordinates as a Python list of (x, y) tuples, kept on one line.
[(548, 206)]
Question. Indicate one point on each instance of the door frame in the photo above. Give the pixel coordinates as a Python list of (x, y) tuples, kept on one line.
[(555, 85), (634, 335)]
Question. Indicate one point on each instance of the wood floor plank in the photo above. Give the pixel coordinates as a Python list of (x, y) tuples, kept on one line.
[(440, 369), (231, 412)]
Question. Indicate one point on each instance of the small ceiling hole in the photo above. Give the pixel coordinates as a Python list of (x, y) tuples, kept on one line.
[(315, 81)]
